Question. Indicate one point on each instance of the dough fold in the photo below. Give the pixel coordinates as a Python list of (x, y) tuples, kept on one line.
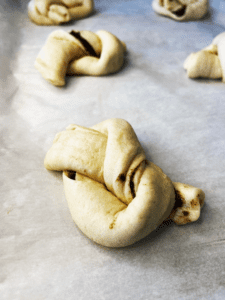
[(79, 53), (115, 195), (209, 62), (181, 10), (55, 12)]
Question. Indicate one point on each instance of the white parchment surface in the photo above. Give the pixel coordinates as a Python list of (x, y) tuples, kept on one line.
[(179, 121)]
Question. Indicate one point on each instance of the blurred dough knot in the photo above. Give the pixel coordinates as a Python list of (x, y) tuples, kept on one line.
[(209, 62), (79, 53), (181, 10), (115, 195), (55, 12)]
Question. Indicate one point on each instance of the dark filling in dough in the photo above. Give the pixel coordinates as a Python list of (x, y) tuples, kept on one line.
[(141, 169), (121, 177), (180, 12), (132, 183), (132, 186), (84, 42), (71, 174), (178, 200), (185, 213)]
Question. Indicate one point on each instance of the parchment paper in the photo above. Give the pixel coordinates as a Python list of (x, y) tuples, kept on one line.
[(180, 123)]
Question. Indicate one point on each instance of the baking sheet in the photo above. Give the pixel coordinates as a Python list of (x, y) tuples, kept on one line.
[(180, 123)]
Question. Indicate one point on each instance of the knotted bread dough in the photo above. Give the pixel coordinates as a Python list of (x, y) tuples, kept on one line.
[(181, 10), (55, 12), (115, 195), (79, 53), (209, 62)]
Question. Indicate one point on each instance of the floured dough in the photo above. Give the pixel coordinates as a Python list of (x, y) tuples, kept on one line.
[(209, 62), (115, 195), (79, 53), (55, 12), (181, 10)]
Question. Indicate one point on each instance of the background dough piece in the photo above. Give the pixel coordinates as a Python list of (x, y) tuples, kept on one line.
[(181, 10), (116, 197), (69, 53), (55, 12), (209, 62)]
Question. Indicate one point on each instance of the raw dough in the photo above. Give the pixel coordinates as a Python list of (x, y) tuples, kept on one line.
[(115, 195), (209, 62), (181, 10), (188, 203), (55, 12), (79, 53)]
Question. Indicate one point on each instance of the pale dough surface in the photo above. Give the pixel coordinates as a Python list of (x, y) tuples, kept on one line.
[(178, 121), (181, 10), (55, 12), (64, 54), (116, 197), (209, 62)]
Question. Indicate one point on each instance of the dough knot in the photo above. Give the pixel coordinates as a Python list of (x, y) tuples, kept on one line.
[(79, 53), (115, 195), (55, 12)]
